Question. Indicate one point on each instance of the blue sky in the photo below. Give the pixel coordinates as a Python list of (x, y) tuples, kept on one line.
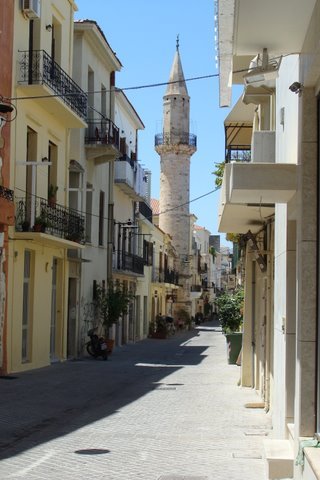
[(143, 35)]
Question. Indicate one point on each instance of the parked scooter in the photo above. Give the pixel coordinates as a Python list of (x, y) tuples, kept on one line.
[(96, 347)]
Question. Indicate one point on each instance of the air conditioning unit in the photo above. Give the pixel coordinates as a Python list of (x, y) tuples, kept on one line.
[(31, 8)]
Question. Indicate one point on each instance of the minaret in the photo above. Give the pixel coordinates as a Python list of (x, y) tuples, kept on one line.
[(175, 146)]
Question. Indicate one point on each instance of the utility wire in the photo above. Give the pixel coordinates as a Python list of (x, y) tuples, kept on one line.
[(119, 89), (148, 218), (137, 87)]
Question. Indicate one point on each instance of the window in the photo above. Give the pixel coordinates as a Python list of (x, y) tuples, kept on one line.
[(103, 107), (31, 177), (90, 95), (88, 212), (75, 180), (101, 218), (53, 159), (148, 252)]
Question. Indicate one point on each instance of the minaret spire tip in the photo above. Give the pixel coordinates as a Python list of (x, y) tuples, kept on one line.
[(177, 43)]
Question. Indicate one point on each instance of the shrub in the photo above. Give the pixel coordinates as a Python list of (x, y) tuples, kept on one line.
[(230, 307)]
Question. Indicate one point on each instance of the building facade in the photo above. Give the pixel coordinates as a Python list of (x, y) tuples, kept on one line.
[(6, 194), (270, 195), (94, 150), (45, 228)]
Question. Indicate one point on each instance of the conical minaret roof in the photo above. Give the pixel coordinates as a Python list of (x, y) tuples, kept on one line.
[(178, 85)]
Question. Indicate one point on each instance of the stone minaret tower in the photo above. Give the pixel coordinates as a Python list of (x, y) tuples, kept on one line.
[(175, 146)]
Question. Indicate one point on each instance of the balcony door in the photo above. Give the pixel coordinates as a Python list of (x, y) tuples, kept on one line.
[(31, 175)]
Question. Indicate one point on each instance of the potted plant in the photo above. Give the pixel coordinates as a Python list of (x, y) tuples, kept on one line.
[(230, 314), (112, 303), (40, 223), (25, 225), (52, 195)]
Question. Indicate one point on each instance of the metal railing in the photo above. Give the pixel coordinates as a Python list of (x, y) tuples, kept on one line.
[(165, 276), (171, 276), (36, 214), (196, 288), (102, 132), (130, 262), (6, 193), (38, 68), (176, 139), (238, 153)]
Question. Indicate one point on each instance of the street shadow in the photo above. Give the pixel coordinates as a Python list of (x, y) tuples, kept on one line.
[(42, 405)]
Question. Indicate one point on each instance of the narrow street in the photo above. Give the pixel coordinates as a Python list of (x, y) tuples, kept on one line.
[(157, 410)]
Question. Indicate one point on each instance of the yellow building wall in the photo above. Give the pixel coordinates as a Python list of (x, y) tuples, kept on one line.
[(42, 258)]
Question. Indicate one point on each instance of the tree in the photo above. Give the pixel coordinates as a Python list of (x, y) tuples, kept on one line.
[(219, 173), (112, 302), (230, 312)]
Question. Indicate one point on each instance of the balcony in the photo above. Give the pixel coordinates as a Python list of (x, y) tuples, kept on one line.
[(238, 153), (171, 276), (6, 206), (129, 176), (179, 143), (249, 192), (128, 262), (40, 76), (57, 225), (165, 276), (102, 141), (145, 211), (196, 288)]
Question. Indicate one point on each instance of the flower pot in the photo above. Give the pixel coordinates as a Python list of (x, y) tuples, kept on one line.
[(38, 227), (159, 335), (234, 344), (110, 345)]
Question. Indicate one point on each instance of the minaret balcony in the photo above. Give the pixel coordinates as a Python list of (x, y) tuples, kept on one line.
[(176, 142)]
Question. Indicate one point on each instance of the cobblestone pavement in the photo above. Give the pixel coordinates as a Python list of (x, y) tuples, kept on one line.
[(157, 410)]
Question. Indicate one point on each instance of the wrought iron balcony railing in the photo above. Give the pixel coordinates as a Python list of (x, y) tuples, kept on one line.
[(129, 262), (35, 214), (102, 132), (238, 153), (196, 288), (38, 68), (171, 276), (176, 139), (165, 276), (6, 193)]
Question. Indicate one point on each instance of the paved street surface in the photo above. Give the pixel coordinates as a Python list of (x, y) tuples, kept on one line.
[(157, 410)]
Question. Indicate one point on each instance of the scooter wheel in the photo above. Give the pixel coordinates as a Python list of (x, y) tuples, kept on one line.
[(91, 350), (105, 355)]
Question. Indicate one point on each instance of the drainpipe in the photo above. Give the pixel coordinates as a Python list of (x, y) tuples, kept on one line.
[(253, 308), (110, 187), (268, 317)]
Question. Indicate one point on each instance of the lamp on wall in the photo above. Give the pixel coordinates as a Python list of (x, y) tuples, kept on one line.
[(296, 87), (49, 28), (5, 109), (259, 258)]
